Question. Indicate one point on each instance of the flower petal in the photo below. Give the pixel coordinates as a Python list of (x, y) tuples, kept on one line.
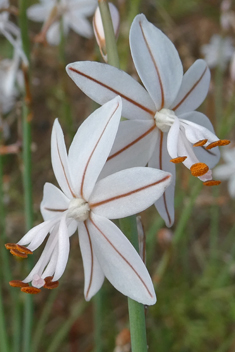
[(80, 25), (194, 88), (133, 146), (54, 202), (59, 160), (102, 82), (231, 187), (63, 248), (223, 172), (38, 12), (128, 192), (161, 160), (156, 60), (92, 144), (94, 276), (211, 156), (119, 261)]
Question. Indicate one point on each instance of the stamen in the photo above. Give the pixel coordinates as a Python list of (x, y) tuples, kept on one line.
[(199, 169), (178, 160), (218, 143), (17, 253), (212, 183), (10, 246), (48, 279), (18, 283), (200, 143), (51, 285), (31, 290), (23, 249)]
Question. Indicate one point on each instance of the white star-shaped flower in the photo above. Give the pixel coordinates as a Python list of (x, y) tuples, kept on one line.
[(73, 13), (86, 204), (164, 128), (227, 170)]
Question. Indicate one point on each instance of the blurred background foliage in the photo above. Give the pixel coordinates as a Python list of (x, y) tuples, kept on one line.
[(194, 275)]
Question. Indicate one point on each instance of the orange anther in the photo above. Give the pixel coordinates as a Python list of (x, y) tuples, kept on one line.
[(23, 249), (178, 160), (31, 290), (200, 143), (199, 169), (10, 246), (48, 279), (224, 142), (51, 285), (17, 253), (213, 144), (18, 283), (212, 183)]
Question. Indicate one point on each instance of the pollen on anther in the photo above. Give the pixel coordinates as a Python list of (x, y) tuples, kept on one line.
[(178, 160), (224, 142), (199, 169), (51, 285), (212, 183), (10, 246), (200, 143), (17, 253), (30, 289), (219, 143), (18, 283), (48, 279), (23, 249)]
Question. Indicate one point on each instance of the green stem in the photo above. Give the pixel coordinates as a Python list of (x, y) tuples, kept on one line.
[(27, 181), (110, 39), (136, 310), (98, 310)]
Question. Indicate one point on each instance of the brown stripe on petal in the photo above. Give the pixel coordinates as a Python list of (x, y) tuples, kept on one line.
[(200, 143), (92, 260), (156, 68), (127, 262), (190, 91), (128, 193), (178, 160), (55, 210), (19, 254), (152, 113), (199, 169), (132, 143), (18, 283), (89, 159), (31, 290), (212, 183)]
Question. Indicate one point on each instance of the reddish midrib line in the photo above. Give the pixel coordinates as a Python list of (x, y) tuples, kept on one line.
[(56, 210), (156, 68), (64, 168), (127, 194), (92, 260), (190, 91), (89, 159), (132, 143), (160, 164), (128, 263), (152, 113)]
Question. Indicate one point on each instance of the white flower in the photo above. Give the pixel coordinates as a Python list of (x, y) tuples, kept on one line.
[(72, 12), (99, 30), (227, 171), (10, 75), (218, 52), (86, 204), (164, 128)]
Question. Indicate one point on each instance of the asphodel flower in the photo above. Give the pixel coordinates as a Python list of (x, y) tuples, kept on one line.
[(66, 13), (163, 129), (86, 204)]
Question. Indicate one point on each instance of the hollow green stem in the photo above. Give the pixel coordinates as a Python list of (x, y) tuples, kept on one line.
[(110, 39), (136, 310)]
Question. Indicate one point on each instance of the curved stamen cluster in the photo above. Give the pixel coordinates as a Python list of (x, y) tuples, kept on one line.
[(25, 287)]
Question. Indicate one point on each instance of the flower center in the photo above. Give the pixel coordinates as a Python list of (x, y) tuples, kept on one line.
[(78, 209), (164, 119)]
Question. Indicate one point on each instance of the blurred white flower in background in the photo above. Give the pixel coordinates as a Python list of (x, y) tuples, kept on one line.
[(218, 52), (227, 170), (73, 14)]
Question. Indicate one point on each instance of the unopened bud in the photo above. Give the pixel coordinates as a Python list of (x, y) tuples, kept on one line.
[(99, 29)]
